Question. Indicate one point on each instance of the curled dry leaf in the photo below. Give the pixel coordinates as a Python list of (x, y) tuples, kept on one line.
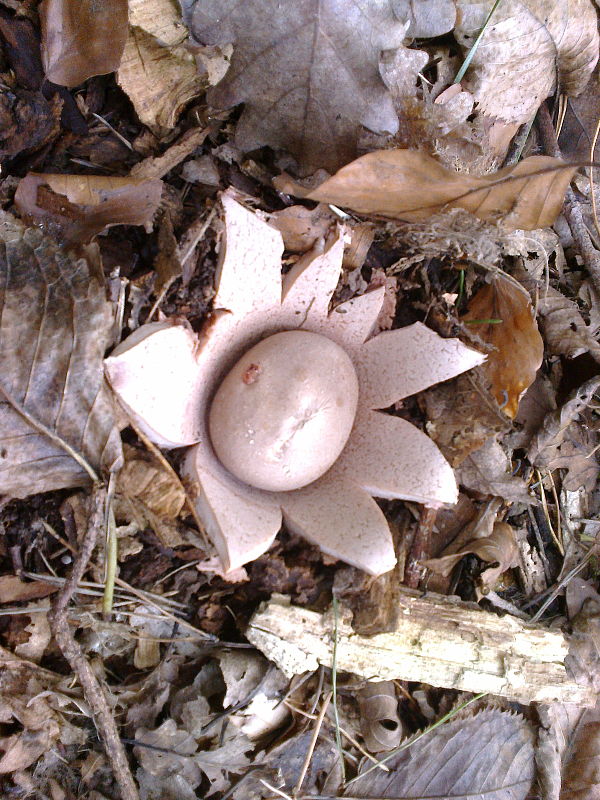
[(500, 547), (529, 47), (379, 721), (412, 186), (149, 482), (78, 207), (158, 79), (322, 59), (488, 471), (487, 755), (502, 316), (56, 415), (82, 38)]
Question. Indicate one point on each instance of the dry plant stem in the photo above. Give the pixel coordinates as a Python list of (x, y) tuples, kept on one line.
[(572, 209), (59, 625), (419, 548), (313, 742)]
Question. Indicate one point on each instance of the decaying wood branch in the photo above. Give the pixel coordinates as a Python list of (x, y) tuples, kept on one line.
[(436, 640)]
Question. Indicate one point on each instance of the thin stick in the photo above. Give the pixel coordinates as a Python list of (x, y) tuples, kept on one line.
[(93, 692), (313, 742)]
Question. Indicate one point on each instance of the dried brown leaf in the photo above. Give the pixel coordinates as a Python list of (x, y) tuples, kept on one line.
[(323, 76), (149, 482), (82, 38), (57, 424), (501, 547), (565, 331), (301, 227), (379, 721), (562, 443), (159, 80), (488, 755), (488, 471), (14, 590), (412, 186), (528, 48), (502, 316), (22, 749), (27, 121), (463, 416), (78, 207)]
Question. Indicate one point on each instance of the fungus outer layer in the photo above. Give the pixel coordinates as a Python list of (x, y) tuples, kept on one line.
[(283, 414)]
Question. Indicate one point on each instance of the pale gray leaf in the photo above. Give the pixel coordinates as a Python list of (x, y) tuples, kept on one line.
[(428, 18), (489, 755), (308, 71), (56, 413)]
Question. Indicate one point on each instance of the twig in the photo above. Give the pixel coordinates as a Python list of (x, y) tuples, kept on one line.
[(313, 743), (572, 208), (59, 625)]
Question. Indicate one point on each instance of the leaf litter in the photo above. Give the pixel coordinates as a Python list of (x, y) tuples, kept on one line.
[(444, 218)]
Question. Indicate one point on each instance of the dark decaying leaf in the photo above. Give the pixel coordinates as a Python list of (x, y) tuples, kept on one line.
[(501, 315), (27, 121), (412, 186), (82, 38), (75, 208), (487, 755), (54, 327), (322, 62)]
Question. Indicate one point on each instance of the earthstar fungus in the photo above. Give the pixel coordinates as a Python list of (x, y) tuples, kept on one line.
[(279, 397)]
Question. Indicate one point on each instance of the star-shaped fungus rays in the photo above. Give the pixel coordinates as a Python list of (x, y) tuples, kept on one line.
[(167, 378)]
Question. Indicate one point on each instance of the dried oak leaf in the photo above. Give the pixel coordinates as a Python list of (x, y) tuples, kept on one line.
[(487, 755), (57, 425), (529, 47), (322, 62), (412, 186), (502, 316), (82, 38), (561, 442), (78, 207)]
